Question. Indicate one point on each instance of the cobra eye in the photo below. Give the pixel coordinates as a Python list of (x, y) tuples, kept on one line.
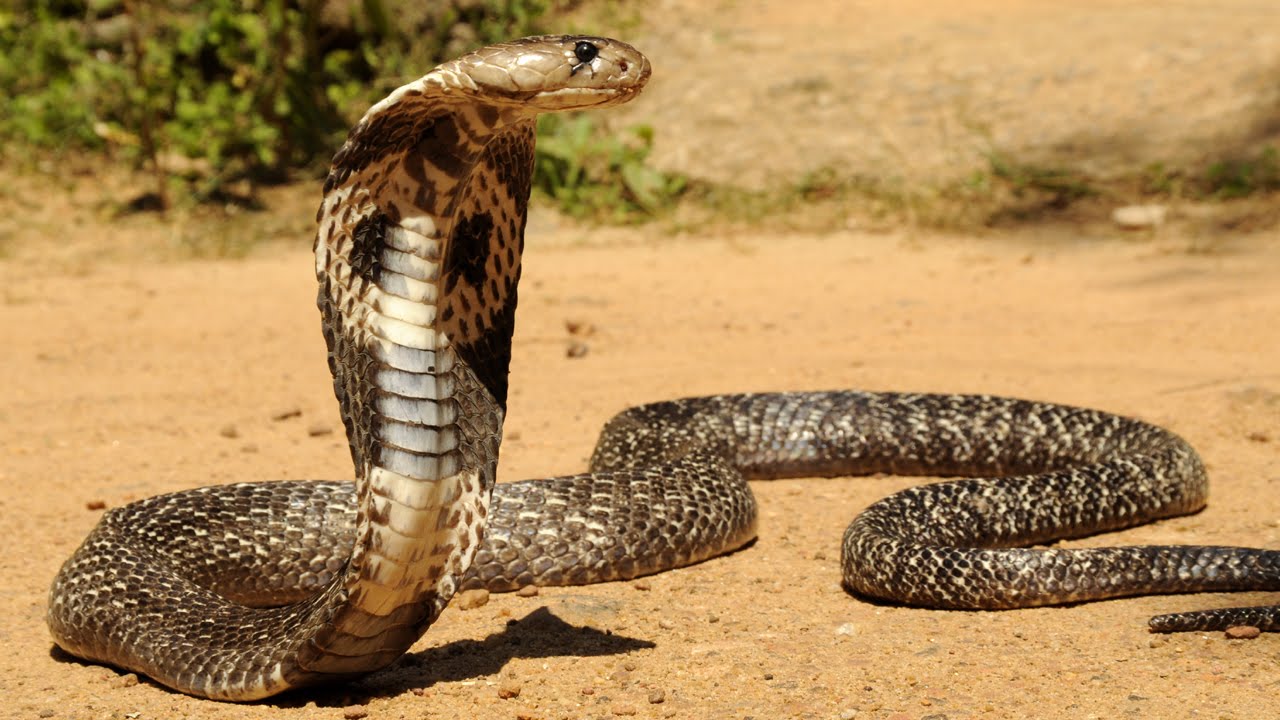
[(585, 51)]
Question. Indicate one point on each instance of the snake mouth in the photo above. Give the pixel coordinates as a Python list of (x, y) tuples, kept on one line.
[(572, 98)]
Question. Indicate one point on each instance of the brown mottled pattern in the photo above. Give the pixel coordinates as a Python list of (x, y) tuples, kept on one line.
[(241, 591)]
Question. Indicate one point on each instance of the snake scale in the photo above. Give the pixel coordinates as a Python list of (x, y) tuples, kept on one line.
[(242, 591)]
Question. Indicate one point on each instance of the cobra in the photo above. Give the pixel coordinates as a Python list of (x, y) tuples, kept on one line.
[(241, 591)]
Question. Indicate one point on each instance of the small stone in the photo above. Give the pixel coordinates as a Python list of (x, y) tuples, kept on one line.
[(666, 624), (848, 714), (1242, 632), (629, 666), (1139, 217), (1258, 437), (286, 414), (354, 712), (127, 680), (625, 710), (588, 691), (657, 696), (642, 585), (528, 591), (229, 431), (472, 599), (319, 429), (579, 327), (846, 629), (713, 619), (47, 713), (768, 676), (509, 689), (819, 555), (576, 349), (95, 505)]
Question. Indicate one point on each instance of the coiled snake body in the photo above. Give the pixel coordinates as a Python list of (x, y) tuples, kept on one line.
[(242, 591)]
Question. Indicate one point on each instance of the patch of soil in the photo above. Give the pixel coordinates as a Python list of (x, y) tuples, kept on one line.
[(133, 369)]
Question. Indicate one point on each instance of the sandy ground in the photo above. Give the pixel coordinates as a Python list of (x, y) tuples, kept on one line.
[(143, 374), (125, 381), (924, 90)]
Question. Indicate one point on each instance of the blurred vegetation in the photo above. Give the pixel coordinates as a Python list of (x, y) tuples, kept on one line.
[(599, 176), (216, 96), (1005, 190)]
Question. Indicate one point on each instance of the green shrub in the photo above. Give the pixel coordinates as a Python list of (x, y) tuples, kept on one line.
[(1238, 177), (207, 94), (593, 174)]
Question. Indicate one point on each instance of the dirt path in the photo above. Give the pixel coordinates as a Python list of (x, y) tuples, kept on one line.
[(136, 376), (127, 381), (756, 91)]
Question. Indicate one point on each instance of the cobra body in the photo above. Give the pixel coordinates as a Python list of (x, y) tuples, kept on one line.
[(242, 591)]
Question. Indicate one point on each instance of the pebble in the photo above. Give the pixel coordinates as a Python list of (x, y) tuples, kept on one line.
[(127, 680), (528, 591), (625, 710), (509, 689), (666, 624), (657, 696), (1139, 217), (471, 599), (286, 414), (318, 429), (354, 712), (846, 629), (849, 714), (642, 585), (576, 349), (46, 713), (1243, 632), (229, 431), (579, 327), (1258, 437), (95, 505)]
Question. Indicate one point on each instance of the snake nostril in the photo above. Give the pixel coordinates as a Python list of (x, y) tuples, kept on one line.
[(622, 65)]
